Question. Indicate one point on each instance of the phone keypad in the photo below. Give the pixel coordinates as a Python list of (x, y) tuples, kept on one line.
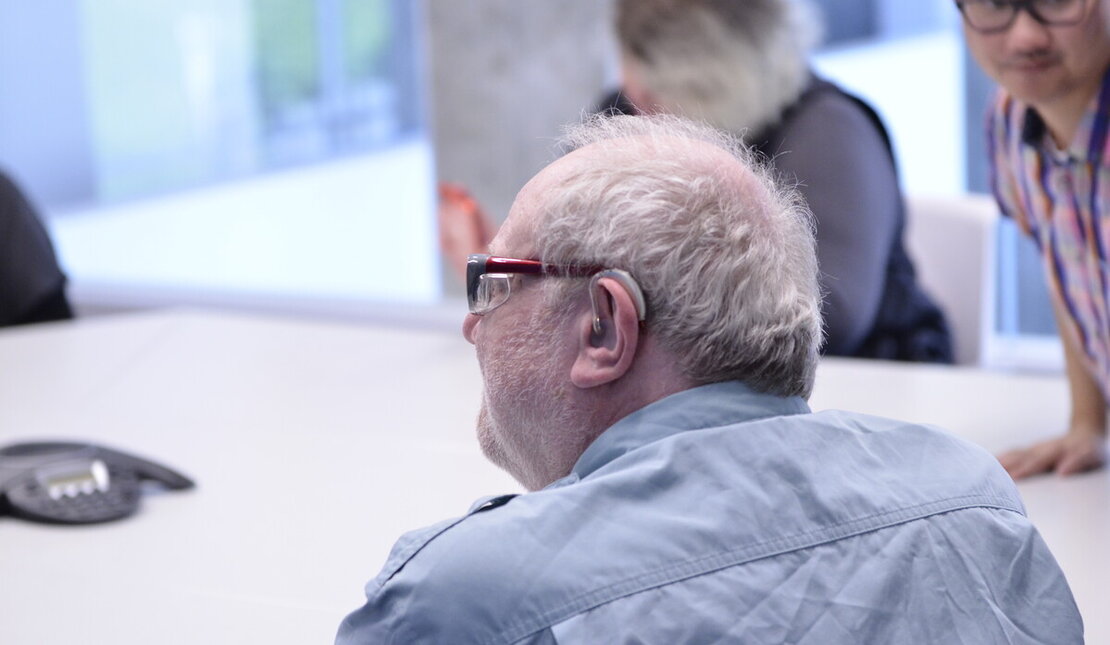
[(76, 503)]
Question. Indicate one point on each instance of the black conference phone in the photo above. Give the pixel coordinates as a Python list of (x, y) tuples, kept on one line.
[(66, 482)]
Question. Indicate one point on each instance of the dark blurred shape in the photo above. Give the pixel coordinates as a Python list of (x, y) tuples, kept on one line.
[(32, 285)]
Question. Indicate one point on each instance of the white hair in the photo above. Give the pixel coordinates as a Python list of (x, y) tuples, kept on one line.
[(725, 254), (737, 64)]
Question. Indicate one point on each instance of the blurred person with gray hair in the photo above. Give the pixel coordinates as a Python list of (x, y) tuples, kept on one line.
[(647, 326), (742, 66)]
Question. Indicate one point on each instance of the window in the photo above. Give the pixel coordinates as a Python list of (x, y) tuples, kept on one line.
[(227, 149)]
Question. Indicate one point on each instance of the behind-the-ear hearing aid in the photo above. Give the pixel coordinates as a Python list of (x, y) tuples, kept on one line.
[(630, 285)]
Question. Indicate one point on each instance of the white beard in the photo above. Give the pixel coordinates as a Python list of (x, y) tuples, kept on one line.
[(526, 425)]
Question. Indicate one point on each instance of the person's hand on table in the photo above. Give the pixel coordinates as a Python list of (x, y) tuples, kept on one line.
[(1083, 447), (1079, 450), (464, 228)]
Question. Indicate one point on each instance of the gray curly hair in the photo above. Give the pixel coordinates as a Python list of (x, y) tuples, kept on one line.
[(726, 257)]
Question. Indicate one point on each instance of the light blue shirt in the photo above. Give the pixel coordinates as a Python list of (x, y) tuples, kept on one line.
[(722, 515)]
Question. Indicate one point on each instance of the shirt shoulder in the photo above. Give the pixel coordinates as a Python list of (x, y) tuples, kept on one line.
[(1006, 156), (670, 511), (439, 584), (826, 111), (837, 151)]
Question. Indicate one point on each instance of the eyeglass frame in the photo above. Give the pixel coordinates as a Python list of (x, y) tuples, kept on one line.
[(480, 264), (1017, 6)]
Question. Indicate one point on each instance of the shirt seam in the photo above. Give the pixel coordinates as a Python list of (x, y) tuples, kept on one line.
[(584, 469), (703, 565), (404, 557)]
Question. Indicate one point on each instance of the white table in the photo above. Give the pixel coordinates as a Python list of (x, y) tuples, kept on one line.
[(316, 444)]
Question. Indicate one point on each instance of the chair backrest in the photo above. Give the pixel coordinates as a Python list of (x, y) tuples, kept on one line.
[(953, 241)]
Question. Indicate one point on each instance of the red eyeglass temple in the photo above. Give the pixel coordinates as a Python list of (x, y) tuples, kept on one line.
[(512, 265)]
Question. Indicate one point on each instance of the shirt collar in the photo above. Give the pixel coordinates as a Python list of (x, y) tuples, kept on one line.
[(706, 406), (1090, 143)]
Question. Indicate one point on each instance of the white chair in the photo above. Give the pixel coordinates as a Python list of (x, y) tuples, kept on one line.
[(952, 241)]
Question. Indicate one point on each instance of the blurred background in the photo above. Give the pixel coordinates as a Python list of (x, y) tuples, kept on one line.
[(283, 154)]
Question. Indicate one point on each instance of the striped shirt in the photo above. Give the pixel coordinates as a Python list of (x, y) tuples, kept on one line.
[(1059, 198)]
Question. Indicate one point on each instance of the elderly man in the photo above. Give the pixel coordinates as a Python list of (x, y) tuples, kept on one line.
[(1048, 135), (647, 329)]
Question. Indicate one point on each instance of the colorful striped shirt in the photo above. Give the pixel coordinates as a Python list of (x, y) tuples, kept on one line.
[(1059, 198)]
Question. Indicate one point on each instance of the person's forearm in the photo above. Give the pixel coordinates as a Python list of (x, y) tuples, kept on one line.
[(1083, 446), (1088, 405)]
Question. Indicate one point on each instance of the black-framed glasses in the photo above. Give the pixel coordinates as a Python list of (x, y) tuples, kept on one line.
[(489, 279), (995, 16)]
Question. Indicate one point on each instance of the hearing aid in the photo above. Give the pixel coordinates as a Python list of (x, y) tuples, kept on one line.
[(630, 285)]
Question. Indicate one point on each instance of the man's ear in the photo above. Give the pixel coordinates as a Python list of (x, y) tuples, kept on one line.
[(609, 335)]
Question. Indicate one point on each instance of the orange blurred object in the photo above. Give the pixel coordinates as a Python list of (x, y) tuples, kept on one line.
[(464, 228)]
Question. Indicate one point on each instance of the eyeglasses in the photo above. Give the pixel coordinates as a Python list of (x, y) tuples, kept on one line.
[(995, 16), (489, 279), (489, 282)]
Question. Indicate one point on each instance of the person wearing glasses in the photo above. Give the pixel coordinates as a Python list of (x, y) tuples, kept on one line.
[(1048, 141), (647, 326), (742, 66)]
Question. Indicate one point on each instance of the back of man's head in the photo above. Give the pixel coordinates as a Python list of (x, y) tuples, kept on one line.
[(734, 63), (724, 254)]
